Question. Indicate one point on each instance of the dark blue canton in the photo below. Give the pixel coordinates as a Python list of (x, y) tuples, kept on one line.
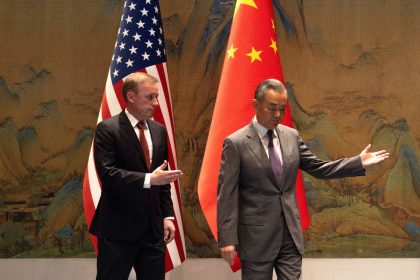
[(140, 41)]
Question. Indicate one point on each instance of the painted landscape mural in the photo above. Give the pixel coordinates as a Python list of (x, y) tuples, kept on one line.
[(353, 74)]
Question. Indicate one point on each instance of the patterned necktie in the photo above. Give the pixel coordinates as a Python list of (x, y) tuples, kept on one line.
[(274, 157), (143, 143)]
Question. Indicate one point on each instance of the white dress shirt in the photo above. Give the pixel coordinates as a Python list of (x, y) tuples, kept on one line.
[(134, 123), (262, 133)]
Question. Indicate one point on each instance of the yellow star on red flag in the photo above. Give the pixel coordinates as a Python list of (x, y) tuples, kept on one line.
[(273, 45), (255, 55), (231, 52), (244, 2)]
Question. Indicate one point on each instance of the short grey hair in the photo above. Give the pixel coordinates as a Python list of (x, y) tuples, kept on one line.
[(266, 85)]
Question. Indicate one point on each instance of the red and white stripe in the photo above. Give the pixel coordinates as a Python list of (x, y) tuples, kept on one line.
[(112, 104)]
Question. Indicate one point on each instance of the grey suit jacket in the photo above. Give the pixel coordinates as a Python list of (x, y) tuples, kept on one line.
[(250, 203)]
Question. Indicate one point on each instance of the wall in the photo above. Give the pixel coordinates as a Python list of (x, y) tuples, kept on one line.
[(352, 69)]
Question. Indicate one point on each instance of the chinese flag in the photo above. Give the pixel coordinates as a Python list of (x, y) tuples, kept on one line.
[(251, 57)]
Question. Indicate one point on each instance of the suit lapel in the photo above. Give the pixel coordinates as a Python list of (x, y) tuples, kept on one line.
[(256, 146), (131, 135), (154, 134), (285, 151)]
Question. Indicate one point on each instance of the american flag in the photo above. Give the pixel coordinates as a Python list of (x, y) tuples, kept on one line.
[(139, 47)]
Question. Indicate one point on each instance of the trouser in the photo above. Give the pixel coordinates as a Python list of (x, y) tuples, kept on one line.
[(116, 258), (288, 263)]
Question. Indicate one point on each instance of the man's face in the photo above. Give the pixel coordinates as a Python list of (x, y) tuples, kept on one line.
[(143, 104), (270, 110)]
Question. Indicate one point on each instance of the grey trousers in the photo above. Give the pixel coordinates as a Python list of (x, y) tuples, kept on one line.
[(288, 263)]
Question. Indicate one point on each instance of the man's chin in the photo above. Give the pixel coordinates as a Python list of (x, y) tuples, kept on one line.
[(150, 115)]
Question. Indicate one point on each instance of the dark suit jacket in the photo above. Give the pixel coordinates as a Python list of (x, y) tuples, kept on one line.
[(126, 209), (250, 201)]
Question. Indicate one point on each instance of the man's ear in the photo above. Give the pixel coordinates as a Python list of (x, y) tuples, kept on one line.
[(255, 103), (130, 96)]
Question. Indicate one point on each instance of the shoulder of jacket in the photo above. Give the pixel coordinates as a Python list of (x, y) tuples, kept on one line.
[(287, 129), (238, 133), (109, 121)]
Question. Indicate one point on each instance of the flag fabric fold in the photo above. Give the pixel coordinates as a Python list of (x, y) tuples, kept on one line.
[(139, 47), (251, 57)]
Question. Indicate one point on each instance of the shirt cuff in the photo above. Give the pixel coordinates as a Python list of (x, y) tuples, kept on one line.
[(146, 184), (169, 218)]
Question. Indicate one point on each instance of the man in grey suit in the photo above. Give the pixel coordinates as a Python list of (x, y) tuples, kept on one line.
[(257, 212)]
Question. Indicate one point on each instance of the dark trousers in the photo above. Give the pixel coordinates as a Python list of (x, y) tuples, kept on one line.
[(288, 263), (116, 258)]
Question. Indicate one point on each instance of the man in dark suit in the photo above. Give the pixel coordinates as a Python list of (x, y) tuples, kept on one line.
[(134, 216), (257, 212)]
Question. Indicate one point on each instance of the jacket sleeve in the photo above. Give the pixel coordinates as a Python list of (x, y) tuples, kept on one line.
[(228, 195), (165, 199), (345, 167)]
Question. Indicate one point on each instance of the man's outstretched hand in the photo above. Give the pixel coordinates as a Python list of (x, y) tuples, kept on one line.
[(160, 176), (372, 158)]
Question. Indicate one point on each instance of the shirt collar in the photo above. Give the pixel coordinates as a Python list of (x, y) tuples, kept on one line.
[(261, 130), (133, 120)]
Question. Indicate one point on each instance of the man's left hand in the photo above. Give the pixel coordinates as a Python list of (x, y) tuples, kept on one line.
[(369, 159), (168, 230)]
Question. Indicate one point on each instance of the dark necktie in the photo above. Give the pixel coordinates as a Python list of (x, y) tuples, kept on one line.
[(143, 144), (274, 157)]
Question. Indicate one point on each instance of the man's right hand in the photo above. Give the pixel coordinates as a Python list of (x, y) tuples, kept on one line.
[(228, 253), (160, 176)]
